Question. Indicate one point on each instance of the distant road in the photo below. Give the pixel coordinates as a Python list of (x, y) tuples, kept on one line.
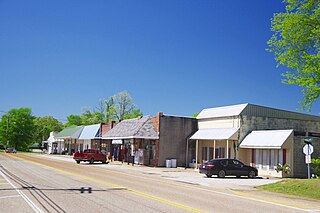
[(32, 184)]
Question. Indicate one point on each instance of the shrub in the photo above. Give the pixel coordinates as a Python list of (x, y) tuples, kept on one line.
[(285, 168), (316, 165)]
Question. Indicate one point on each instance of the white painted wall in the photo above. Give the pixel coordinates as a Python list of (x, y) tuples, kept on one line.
[(227, 122)]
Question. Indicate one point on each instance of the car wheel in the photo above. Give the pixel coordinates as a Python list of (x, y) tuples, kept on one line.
[(208, 175), (78, 161), (104, 161), (252, 174), (221, 174), (91, 161)]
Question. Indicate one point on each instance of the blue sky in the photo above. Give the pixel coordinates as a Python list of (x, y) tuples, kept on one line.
[(176, 56)]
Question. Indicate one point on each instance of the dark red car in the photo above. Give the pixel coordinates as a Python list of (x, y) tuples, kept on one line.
[(90, 155)]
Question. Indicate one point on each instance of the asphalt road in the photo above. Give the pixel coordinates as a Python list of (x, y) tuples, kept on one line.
[(33, 184)]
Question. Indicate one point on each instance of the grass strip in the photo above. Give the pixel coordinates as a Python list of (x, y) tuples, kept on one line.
[(308, 188)]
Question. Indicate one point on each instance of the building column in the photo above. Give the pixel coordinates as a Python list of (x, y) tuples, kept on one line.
[(187, 152), (69, 145), (227, 148), (197, 155), (214, 149)]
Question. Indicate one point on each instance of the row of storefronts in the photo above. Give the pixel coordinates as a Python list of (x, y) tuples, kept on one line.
[(259, 136)]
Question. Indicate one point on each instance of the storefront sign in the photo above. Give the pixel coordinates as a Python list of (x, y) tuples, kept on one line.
[(117, 141)]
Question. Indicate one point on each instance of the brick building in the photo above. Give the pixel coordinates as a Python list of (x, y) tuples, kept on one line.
[(152, 140)]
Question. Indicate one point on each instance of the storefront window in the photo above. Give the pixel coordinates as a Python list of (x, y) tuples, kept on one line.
[(256, 158), (264, 159), (280, 157), (220, 152), (210, 153), (204, 153), (272, 160)]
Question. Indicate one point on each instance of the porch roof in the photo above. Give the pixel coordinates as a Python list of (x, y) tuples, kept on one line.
[(90, 132), (216, 134), (266, 139)]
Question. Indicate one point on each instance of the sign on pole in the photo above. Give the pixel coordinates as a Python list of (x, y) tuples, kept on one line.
[(308, 149), (308, 159)]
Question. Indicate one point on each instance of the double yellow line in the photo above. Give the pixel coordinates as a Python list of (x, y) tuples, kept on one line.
[(135, 192)]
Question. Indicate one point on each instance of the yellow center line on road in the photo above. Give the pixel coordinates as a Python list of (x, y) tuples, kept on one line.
[(135, 192), (3, 183)]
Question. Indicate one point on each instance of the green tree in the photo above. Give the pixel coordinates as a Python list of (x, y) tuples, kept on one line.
[(195, 114), (73, 120), (17, 128), (296, 44), (116, 108), (111, 110), (45, 125), (89, 117), (135, 113), (121, 106)]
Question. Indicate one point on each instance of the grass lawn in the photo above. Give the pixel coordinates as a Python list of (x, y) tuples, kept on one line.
[(309, 188)]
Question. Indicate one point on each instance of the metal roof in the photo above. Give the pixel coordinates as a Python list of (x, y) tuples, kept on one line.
[(216, 134), (70, 132), (90, 132), (254, 110), (268, 139), (225, 111), (133, 128)]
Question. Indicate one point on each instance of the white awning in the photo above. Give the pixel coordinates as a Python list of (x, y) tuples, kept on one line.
[(216, 134), (268, 139)]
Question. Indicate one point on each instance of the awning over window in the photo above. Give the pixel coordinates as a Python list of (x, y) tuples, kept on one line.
[(268, 139), (216, 134)]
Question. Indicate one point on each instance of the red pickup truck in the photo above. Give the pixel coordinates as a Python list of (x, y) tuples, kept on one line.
[(90, 155)]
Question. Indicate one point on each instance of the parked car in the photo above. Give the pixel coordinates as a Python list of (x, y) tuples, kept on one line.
[(11, 150), (90, 155), (227, 167)]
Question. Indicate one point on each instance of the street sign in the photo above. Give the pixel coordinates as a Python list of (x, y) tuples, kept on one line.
[(308, 149), (308, 159), (307, 140)]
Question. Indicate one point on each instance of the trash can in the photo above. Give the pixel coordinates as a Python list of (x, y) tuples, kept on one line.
[(168, 163), (174, 163)]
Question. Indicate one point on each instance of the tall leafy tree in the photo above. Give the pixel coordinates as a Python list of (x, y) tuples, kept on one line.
[(134, 114), (116, 108), (17, 128), (111, 110), (296, 44), (121, 107), (45, 125), (73, 120), (89, 117)]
